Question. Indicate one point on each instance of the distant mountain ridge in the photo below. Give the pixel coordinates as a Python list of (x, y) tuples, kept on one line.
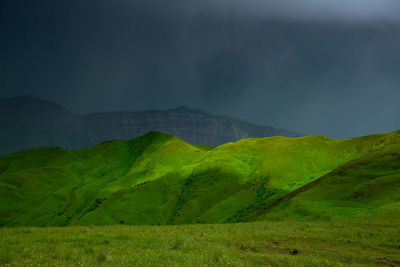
[(28, 121)]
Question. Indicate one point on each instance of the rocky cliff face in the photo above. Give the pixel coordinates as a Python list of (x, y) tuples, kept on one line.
[(191, 125), (29, 122)]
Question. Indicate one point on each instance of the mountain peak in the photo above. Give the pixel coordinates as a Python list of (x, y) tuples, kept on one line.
[(27, 97), (30, 121), (24, 101), (187, 109)]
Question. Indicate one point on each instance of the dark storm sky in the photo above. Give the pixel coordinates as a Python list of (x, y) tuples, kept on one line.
[(315, 66)]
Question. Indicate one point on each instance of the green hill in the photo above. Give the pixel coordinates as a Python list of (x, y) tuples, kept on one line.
[(161, 179), (362, 187)]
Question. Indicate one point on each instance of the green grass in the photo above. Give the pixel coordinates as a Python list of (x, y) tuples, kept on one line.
[(151, 201), (361, 187), (160, 179), (372, 241)]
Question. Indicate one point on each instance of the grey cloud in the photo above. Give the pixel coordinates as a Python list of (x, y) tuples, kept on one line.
[(348, 10), (269, 62)]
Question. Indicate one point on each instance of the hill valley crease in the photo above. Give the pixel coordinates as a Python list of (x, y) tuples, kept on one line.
[(160, 179)]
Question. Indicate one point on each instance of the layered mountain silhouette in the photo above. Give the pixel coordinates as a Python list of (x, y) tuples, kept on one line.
[(160, 179), (28, 121)]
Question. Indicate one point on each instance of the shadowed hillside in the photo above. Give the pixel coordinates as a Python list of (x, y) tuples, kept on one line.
[(361, 187), (161, 179)]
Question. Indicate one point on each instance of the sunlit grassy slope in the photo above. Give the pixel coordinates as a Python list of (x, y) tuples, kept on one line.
[(361, 187), (160, 179)]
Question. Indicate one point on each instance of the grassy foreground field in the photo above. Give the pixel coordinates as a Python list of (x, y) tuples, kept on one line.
[(371, 241)]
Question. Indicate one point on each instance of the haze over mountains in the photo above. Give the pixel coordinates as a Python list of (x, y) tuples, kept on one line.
[(28, 121), (319, 67)]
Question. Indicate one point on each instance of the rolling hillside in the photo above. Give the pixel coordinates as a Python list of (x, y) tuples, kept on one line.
[(161, 179), (361, 187)]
